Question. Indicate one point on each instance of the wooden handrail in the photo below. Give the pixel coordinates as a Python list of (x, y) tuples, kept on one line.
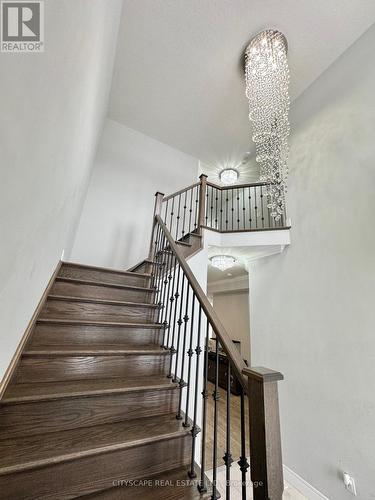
[(181, 191), (236, 186), (231, 351)]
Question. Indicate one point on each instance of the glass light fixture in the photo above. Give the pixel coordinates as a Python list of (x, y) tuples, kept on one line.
[(223, 262), (267, 89), (229, 176)]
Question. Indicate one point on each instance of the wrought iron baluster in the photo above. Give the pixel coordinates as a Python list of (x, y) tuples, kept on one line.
[(179, 323), (195, 430), (178, 217), (190, 353), (216, 397), (184, 216), (171, 300), (155, 282), (261, 203), (232, 211), (176, 297), (202, 487), (256, 207), (243, 463), (250, 218), (171, 215), (165, 285), (226, 206), (207, 197), (211, 207), (170, 258), (182, 382), (166, 211), (190, 209), (221, 210), (243, 208), (228, 460), (216, 198), (196, 207), (238, 209)]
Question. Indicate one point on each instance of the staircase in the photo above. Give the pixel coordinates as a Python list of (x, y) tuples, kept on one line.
[(108, 398), (90, 403)]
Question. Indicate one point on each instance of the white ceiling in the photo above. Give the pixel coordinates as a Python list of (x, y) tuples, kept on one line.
[(178, 71)]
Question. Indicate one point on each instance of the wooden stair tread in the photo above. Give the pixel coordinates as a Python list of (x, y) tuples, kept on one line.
[(169, 485), (95, 350), (125, 324), (44, 391), (102, 301), (105, 269), (103, 283), (28, 452)]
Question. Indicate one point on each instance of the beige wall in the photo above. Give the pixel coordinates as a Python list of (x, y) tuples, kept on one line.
[(233, 311)]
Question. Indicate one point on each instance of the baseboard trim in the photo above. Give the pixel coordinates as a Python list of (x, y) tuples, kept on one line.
[(302, 486), (16, 356)]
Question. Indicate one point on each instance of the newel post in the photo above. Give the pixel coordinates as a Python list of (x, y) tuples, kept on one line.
[(265, 440), (157, 211), (202, 201)]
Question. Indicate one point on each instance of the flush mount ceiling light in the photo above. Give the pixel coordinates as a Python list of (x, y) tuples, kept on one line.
[(229, 176), (223, 262), (267, 89)]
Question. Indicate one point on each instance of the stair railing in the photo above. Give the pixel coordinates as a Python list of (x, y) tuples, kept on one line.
[(235, 208), (189, 322)]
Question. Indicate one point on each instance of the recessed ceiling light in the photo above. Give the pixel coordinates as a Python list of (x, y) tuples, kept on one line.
[(223, 262), (229, 176)]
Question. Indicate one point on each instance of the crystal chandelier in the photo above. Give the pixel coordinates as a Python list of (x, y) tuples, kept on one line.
[(228, 176), (223, 262), (267, 83)]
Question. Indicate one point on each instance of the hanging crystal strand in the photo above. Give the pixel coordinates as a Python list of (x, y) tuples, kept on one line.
[(202, 487), (267, 89), (195, 429)]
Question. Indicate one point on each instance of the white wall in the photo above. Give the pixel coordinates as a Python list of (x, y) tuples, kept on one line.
[(312, 307), (52, 109), (115, 226), (232, 309)]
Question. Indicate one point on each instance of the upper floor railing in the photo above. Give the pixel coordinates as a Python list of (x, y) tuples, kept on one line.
[(235, 208)]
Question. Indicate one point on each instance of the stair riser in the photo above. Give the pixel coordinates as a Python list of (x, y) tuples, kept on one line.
[(69, 289), (54, 368), (90, 474), (105, 276), (24, 419), (90, 335), (65, 309)]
